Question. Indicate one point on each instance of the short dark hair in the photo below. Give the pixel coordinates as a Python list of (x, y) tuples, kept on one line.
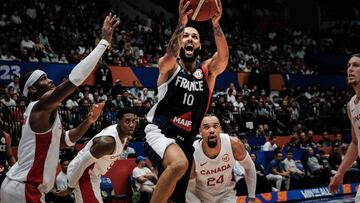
[(355, 55), (124, 111), (210, 115), (62, 160), (23, 80)]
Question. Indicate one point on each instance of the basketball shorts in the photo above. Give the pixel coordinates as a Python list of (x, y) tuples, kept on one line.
[(155, 145)]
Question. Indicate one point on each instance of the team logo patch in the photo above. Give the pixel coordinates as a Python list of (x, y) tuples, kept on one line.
[(3, 140), (226, 158), (198, 74)]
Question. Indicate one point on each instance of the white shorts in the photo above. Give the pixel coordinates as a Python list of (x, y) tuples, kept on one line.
[(157, 140), (88, 189), (228, 197), (17, 192)]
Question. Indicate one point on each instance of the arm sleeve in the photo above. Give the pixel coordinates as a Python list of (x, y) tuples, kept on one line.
[(190, 192), (83, 69), (77, 167), (250, 174)]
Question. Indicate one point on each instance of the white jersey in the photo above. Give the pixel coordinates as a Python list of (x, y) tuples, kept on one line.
[(103, 164), (355, 119), (214, 177), (38, 154), (88, 188)]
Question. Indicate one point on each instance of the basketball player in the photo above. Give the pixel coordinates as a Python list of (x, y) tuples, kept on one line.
[(211, 178), (185, 86), (7, 158), (97, 157), (42, 133), (353, 108)]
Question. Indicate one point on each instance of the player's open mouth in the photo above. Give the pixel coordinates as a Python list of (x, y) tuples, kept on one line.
[(189, 49)]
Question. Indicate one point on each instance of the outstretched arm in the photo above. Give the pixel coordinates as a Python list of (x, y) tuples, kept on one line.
[(349, 158), (167, 63), (50, 100), (217, 64), (70, 137), (245, 161)]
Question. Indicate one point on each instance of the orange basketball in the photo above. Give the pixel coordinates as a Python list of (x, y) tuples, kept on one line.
[(202, 9)]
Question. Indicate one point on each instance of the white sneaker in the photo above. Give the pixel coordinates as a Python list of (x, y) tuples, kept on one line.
[(274, 189)]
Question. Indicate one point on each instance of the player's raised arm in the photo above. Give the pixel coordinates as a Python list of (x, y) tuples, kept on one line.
[(168, 61), (51, 99), (217, 64)]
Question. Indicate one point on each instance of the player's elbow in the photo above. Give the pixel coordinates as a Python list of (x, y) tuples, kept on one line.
[(178, 168)]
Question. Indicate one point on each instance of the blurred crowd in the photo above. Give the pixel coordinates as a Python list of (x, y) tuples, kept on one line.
[(66, 31)]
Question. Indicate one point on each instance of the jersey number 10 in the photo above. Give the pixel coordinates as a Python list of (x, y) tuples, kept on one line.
[(188, 99)]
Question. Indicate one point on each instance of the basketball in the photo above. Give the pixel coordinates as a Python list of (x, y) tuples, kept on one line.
[(202, 9)]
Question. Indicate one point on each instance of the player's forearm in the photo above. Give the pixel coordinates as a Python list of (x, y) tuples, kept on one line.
[(250, 174), (173, 47), (221, 44), (76, 133), (350, 157)]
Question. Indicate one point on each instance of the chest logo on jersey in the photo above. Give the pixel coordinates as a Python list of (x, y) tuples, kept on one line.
[(183, 121), (215, 170), (192, 86), (226, 158), (198, 74)]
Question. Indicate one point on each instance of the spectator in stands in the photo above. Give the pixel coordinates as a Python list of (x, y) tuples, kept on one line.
[(278, 173), (7, 100), (326, 141), (335, 158), (292, 144), (314, 167), (297, 176), (15, 84), (117, 89), (128, 152), (103, 77), (61, 184), (262, 183), (145, 178), (338, 140), (270, 145)]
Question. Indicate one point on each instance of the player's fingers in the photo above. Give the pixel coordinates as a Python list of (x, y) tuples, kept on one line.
[(115, 24), (189, 12), (113, 19), (185, 7)]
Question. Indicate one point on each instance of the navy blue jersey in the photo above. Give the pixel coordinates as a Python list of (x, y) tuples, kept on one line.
[(182, 102)]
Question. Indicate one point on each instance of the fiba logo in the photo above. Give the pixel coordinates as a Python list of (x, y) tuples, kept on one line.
[(198, 74), (226, 158)]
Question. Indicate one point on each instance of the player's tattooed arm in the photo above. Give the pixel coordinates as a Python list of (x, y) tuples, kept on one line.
[(174, 43)]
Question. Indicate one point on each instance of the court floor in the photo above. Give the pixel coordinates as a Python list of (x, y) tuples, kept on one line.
[(337, 199)]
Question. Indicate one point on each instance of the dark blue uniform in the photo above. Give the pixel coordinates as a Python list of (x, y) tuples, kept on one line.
[(182, 103)]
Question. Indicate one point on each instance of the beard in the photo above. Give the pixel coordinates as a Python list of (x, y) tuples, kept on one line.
[(189, 59), (212, 144)]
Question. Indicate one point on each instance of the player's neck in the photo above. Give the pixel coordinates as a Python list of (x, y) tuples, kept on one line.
[(357, 92), (212, 153), (189, 67)]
